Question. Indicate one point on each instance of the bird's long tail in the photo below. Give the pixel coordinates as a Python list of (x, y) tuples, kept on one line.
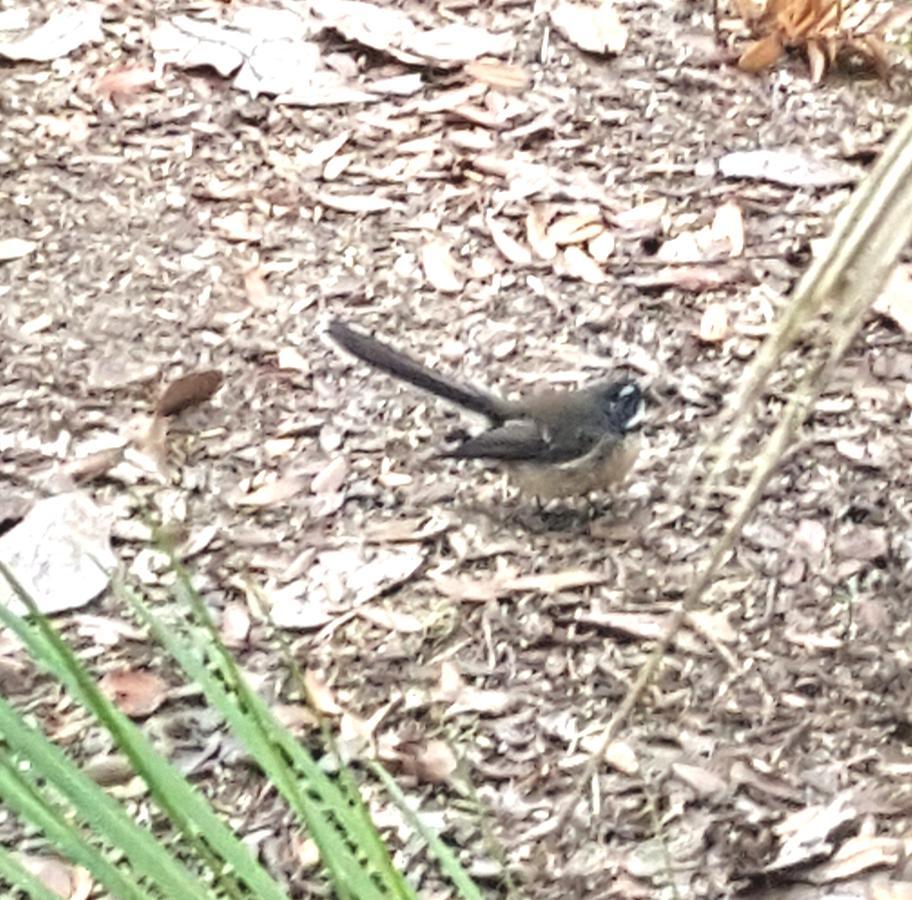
[(400, 365)]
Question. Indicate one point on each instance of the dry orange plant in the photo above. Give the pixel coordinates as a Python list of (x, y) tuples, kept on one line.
[(818, 27)]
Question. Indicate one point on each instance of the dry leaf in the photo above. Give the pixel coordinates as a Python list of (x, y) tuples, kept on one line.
[(188, 390), (60, 878), (337, 165), (273, 492), (290, 359), (704, 782), (331, 477), (793, 168), (537, 234), (450, 683), (728, 228), (596, 29), (15, 248), (236, 227), (256, 290), (391, 620), (895, 300), (354, 203), (320, 695), (503, 76), (601, 247), (578, 264), (487, 702), (714, 324), (621, 756), (863, 542), (761, 54), (124, 80), (60, 552), (440, 267), (235, 625), (134, 692), (645, 217), (515, 252), (577, 228), (552, 582), (64, 31), (435, 763), (810, 538), (324, 150)]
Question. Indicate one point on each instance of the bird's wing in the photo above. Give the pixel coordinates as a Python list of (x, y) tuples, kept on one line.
[(526, 441)]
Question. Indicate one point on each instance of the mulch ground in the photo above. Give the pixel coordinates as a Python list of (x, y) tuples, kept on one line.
[(185, 227)]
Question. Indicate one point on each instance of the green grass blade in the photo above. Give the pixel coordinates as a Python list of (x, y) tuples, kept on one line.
[(13, 873), (226, 856), (448, 862), (23, 796), (320, 804)]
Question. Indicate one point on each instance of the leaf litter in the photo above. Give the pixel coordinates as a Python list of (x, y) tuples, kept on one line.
[(478, 185)]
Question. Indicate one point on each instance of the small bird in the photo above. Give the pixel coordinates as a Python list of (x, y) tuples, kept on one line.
[(557, 443)]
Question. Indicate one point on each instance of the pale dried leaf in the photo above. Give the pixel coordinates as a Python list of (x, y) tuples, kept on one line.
[(862, 542), (273, 492), (320, 695), (794, 168), (715, 623), (817, 60), (325, 150), (685, 248), (505, 77), (235, 625), (515, 252), (577, 228), (336, 166), (331, 477), (810, 537), (550, 583), (435, 763), (354, 203), (728, 228), (704, 782), (596, 29), (236, 227), (15, 248), (450, 683), (440, 267), (480, 700), (895, 300), (645, 217), (458, 43), (60, 552), (714, 326), (64, 31), (601, 247), (537, 234), (288, 609), (59, 877), (290, 359), (857, 855), (257, 291), (391, 620), (578, 264)]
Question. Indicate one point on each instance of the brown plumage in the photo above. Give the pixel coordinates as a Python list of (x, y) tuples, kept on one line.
[(557, 443)]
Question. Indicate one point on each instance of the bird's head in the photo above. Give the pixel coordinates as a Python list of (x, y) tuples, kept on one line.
[(622, 403)]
